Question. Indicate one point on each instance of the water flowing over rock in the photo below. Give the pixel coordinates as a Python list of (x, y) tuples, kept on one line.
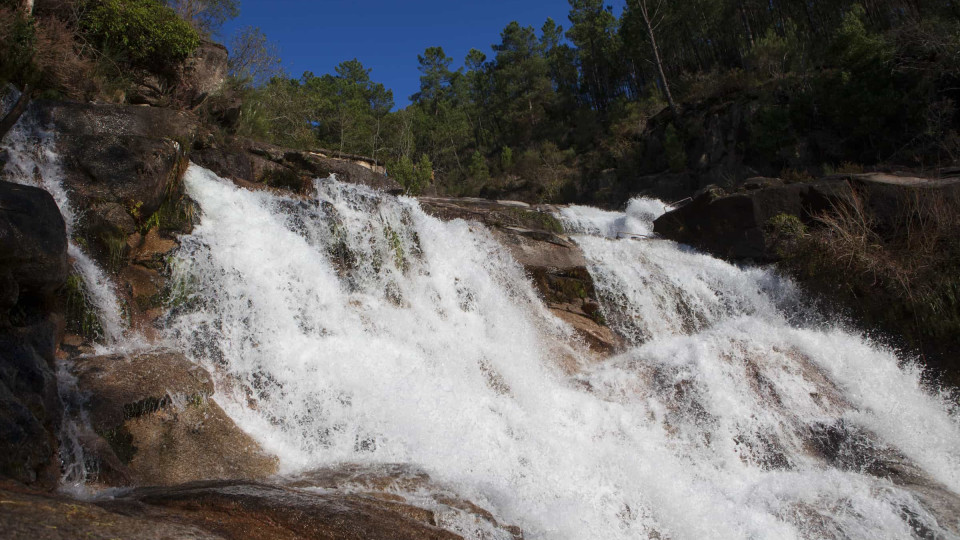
[(355, 328)]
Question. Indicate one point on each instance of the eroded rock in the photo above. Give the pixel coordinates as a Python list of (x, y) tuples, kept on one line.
[(155, 412)]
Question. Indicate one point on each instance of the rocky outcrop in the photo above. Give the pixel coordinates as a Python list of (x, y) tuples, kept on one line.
[(254, 163), (878, 249), (120, 163), (188, 84), (33, 265), (557, 266), (160, 425), (734, 225)]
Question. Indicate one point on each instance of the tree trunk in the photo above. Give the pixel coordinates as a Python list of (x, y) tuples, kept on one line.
[(746, 24), (15, 113), (642, 4)]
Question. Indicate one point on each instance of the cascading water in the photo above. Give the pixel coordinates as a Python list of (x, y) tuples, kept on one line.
[(32, 160), (353, 328)]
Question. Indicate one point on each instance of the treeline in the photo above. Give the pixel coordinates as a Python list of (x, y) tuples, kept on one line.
[(546, 106), (831, 83)]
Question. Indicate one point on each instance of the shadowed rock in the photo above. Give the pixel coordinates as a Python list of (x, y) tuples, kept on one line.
[(154, 411)]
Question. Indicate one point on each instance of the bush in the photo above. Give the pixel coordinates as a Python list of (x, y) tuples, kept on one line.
[(144, 33), (414, 178), (478, 167)]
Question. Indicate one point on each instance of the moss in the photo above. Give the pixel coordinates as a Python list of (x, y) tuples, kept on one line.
[(82, 317), (396, 245)]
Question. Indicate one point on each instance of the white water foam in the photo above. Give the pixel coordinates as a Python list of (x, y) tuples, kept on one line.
[(352, 327), (32, 160)]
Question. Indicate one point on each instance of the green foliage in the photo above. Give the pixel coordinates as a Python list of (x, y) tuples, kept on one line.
[(673, 146), (414, 178), (145, 33), (478, 167), (506, 158), (207, 16), (786, 226)]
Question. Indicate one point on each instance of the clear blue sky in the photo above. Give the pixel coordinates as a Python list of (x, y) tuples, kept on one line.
[(388, 35)]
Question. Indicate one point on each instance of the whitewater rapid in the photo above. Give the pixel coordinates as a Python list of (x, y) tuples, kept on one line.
[(351, 327)]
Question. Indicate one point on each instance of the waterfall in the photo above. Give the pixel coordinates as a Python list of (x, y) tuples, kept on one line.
[(351, 327), (32, 160)]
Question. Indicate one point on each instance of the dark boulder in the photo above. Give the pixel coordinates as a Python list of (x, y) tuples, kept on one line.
[(33, 242), (735, 226), (33, 266)]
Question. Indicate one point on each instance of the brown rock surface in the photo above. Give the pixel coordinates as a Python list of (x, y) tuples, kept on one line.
[(155, 412)]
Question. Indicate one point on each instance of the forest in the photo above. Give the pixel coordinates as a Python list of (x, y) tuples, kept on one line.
[(789, 88), (873, 83)]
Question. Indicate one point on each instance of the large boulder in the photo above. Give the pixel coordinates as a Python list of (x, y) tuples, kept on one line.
[(120, 163), (33, 243), (33, 266), (733, 226), (161, 427), (205, 71)]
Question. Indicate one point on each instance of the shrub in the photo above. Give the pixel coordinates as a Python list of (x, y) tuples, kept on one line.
[(144, 33), (414, 178), (478, 167)]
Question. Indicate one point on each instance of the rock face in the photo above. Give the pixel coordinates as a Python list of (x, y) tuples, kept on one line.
[(205, 72), (33, 265), (120, 163), (260, 163), (734, 226), (161, 427), (557, 266)]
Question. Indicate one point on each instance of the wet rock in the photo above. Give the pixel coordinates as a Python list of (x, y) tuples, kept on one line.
[(155, 411), (257, 511), (28, 515), (120, 162), (30, 407), (556, 265), (33, 240)]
